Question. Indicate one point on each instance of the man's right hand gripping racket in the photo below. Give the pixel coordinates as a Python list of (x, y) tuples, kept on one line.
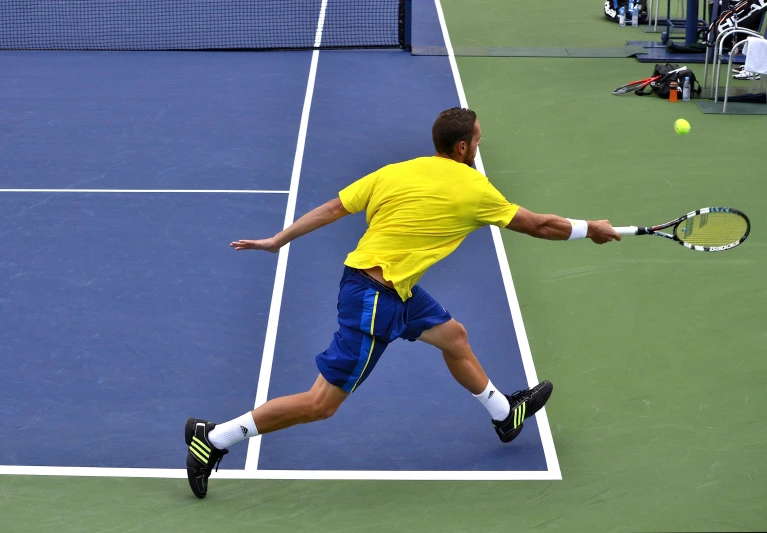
[(710, 229)]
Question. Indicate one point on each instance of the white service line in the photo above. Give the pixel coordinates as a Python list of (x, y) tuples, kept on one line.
[(516, 314), (184, 191), (267, 359)]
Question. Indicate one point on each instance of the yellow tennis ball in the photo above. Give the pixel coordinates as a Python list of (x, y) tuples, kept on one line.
[(681, 126)]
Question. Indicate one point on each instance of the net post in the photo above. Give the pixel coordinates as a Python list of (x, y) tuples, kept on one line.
[(406, 12)]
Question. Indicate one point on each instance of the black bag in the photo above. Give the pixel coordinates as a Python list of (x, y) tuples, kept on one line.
[(746, 14), (662, 86), (612, 8)]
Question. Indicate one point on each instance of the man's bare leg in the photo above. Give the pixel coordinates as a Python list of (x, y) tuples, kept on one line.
[(452, 339), (507, 412), (318, 403)]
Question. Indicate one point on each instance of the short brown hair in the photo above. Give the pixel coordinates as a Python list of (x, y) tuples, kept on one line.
[(451, 127)]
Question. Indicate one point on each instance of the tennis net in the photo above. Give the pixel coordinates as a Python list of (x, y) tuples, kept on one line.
[(203, 24)]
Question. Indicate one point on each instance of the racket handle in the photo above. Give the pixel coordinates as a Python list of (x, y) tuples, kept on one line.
[(627, 230)]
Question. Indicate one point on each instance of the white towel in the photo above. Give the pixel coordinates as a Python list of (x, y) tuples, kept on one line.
[(756, 55)]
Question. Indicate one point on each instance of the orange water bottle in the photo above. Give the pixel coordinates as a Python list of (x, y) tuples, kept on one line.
[(672, 95)]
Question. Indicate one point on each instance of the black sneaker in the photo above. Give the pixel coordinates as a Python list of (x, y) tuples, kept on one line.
[(202, 455), (524, 404)]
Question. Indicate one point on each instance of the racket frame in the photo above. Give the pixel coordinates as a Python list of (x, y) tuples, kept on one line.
[(634, 85), (674, 224), (640, 84)]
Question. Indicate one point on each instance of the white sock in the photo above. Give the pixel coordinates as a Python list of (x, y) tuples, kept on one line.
[(232, 432), (496, 403)]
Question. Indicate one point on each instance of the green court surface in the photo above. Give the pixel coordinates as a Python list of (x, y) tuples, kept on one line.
[(657, 352), (733, 108), (478, 51), (580, 23)]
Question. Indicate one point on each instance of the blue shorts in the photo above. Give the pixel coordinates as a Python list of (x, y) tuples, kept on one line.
[(370, 316)]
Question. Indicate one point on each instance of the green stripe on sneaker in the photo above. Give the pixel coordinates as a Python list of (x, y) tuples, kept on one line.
[(194, 447), (203, 459), (201, 444), (200, 450), (519, 415)]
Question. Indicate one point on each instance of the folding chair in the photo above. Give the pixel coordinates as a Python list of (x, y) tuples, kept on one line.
[(729, 69), (719, 55), (711, 48)]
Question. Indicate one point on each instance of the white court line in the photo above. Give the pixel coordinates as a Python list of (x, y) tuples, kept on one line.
[(267, 359), (363, 475), (524, 346), (202, 191)]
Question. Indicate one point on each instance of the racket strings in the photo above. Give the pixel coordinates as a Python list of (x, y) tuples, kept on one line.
[(712, 229)]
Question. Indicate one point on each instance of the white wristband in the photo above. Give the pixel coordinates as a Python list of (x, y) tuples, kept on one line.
[(580, 229)]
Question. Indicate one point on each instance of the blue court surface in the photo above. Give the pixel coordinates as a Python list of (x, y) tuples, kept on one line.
[(124, 311)]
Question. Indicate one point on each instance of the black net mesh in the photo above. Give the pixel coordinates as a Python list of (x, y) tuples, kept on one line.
[(199, 24)]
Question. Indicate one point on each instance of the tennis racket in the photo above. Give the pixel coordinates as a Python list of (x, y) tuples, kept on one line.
[(640, 84), (710, 229)]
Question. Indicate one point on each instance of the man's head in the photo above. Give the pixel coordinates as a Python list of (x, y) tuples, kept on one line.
[(456, 135)]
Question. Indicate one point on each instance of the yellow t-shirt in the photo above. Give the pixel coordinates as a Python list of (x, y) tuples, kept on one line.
[(418, 212)]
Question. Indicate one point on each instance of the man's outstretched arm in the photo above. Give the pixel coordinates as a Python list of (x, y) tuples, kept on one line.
[(556, 228), (316, 218)]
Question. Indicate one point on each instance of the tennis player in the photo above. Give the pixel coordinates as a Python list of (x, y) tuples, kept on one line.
[(417, 212)]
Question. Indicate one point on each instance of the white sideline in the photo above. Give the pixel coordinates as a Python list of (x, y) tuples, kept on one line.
[(267, 359), (547, 440)]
